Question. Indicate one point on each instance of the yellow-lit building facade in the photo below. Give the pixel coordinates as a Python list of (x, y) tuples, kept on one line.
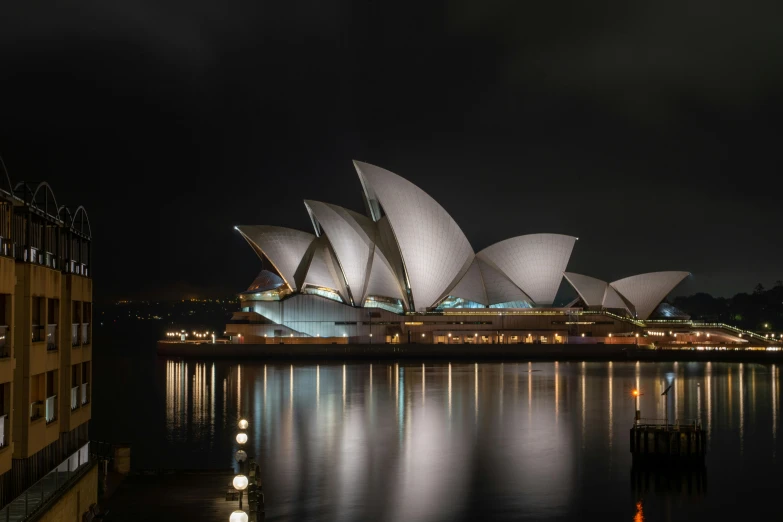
[(45, 333)]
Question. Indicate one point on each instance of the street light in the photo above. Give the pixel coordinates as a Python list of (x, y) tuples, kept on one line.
[(636, 395), (241, 438), (240, 483), (243, 424), (238, 516)]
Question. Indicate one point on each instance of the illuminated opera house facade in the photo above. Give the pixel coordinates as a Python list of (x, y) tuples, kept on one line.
[(406, 273)]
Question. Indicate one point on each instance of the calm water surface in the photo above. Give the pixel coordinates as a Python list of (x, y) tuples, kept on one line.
[(460, 441)]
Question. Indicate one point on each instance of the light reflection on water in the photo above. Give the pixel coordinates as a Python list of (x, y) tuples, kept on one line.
[(456, 441)]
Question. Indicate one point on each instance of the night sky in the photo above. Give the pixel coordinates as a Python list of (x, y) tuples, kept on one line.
[(651, 131)]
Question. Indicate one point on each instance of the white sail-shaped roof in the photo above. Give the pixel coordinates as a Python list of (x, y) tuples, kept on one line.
[(646, 291), (595, 292), (614, 300), (434, 250), (352, 237), (322, 270), (499, 288), (471, 286), (590, 289), (382, 282), (535, 262), (284, 247)]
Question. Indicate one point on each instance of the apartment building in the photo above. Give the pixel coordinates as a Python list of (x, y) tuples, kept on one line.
[(45, 336)]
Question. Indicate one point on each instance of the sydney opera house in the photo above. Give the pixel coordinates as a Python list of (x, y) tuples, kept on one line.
[(406, 273)]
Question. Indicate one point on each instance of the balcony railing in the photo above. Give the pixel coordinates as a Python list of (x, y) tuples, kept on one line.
[(85, 392), (51, 409), (43, 493), (86, 333), (7, 248), (75, 334), (5, 336), (75, 397), (51, 337), (74, 267), (40, 257), (36, 408), (2, 431), (38, 333)]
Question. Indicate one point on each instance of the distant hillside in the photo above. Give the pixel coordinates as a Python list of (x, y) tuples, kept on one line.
[(761, 310)]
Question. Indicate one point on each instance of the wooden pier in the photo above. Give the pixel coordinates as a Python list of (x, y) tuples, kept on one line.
[(656, 441)]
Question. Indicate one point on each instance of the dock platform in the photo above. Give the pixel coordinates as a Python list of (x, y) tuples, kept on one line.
[(665, 442)]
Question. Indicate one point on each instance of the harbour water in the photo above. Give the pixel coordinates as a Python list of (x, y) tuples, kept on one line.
[(433, 441)]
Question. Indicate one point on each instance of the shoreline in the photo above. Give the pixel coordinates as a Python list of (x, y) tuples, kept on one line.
[(304, 352)]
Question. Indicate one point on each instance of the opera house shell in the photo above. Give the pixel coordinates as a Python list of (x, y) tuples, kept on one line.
[(406, 261)]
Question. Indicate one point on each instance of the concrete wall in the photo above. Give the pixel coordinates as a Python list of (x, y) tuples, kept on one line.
[(75, 288), (71, 506), (32, 358)]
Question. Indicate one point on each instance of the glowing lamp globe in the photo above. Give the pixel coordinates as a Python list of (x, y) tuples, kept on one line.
[(238, 516), (240, 456), (243, 424), (240, 482), (241, 438)]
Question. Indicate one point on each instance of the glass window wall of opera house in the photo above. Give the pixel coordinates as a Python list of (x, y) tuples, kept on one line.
[(404, 272)]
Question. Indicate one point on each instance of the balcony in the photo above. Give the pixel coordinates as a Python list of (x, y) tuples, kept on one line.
[(85, 334), (7, 247), (74, 267), (38, 333), (5, 337), (36, 410), (50, 488), (75, 392), (85, 393), (76, 333), (3, 423), (51, 409), (51, 337)]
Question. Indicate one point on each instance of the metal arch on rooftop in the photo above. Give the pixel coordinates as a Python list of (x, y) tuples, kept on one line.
[(646, 291), (5, 181), (352, 237), (284, 247), (64, 215), (80, 219), (535, 263), (29, 193), (435, 251)]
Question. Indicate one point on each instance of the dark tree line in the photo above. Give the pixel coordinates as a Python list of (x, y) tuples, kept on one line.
[(761, 310)]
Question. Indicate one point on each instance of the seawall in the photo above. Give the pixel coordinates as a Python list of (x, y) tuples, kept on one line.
[(451, 352)]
